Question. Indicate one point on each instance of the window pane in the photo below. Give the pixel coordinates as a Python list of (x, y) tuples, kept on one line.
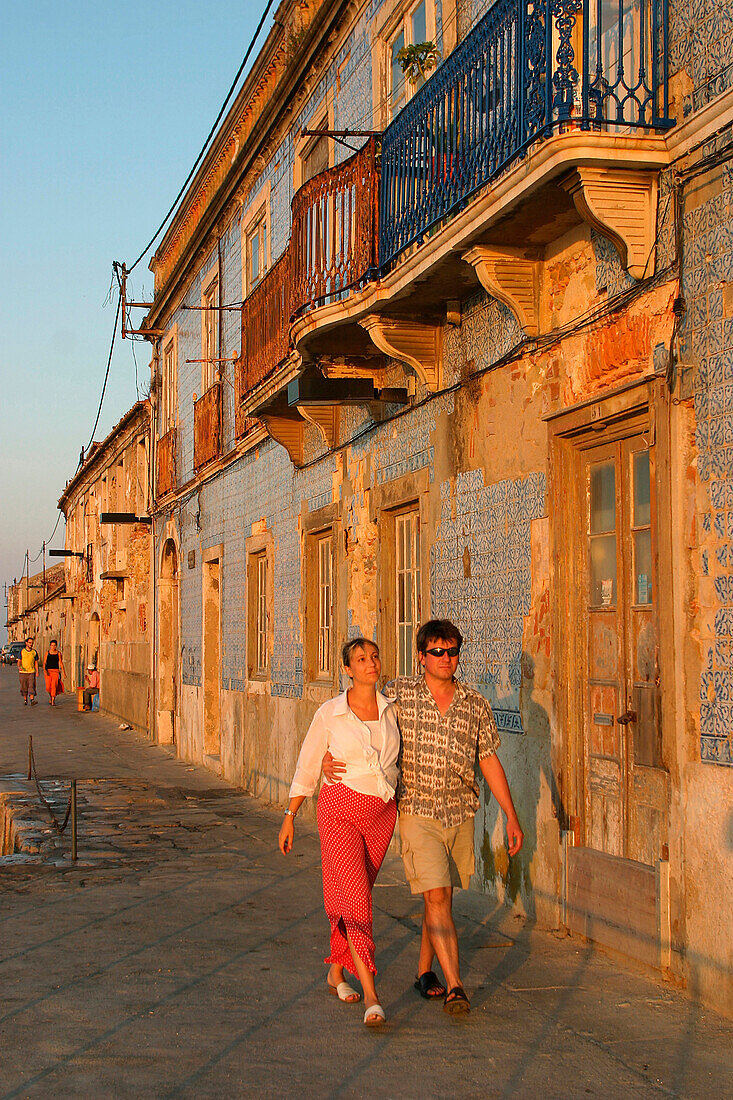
[(398, 79), (262, 614), (254, 260), (603, 571), (642, 494), (602, 498), (642, 567), (402, 665), (324, 606), (407, 590), (419, 24), (316, 160), (416, 571)]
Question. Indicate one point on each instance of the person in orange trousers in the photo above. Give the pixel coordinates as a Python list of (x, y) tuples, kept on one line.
[(53, 669)]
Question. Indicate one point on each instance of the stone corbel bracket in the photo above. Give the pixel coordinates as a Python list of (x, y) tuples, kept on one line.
[(512, 277), (288, 432), (621, 205), (415, 344), (326, 419)]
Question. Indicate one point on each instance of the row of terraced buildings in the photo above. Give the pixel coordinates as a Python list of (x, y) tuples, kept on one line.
[(459, 342)]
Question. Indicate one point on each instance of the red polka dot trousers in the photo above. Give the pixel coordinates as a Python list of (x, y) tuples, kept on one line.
[(355, 831)]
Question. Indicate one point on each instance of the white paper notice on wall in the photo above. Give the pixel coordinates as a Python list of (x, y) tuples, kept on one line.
[(643, 586), (607, 592)]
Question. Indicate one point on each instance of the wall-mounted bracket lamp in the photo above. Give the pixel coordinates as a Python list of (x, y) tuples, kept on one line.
[(66, 554)]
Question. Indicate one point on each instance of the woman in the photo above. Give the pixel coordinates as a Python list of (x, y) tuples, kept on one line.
[(356, 816), (53, 670)]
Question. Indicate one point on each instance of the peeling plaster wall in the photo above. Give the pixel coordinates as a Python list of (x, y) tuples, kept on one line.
[(121, 643), (705, 444)]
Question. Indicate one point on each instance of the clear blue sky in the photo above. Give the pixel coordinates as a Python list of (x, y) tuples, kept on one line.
[(104, 108)]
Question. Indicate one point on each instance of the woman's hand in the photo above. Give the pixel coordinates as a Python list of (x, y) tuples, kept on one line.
[(332, 769), (287, 835)]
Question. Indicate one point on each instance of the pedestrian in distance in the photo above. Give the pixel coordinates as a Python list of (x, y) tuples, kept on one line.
[(445, 727), (27, 672), (92, 688), (53, 670), (356, 816)]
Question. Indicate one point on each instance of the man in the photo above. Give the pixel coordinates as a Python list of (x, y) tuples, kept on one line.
[(27, 672), (445, 726), (92, 688)]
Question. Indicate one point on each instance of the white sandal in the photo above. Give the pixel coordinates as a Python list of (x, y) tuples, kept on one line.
[(343, 991), (375, 1010)]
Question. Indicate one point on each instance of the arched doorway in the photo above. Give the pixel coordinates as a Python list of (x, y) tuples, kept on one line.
[(169, 644)]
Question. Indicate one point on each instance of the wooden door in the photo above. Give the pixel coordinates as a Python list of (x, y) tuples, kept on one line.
[(626, 790)]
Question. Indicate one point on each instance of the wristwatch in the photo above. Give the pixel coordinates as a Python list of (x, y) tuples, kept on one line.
[(290, 813)]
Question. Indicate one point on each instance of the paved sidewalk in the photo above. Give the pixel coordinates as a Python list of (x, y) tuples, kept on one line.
[(184, 960)]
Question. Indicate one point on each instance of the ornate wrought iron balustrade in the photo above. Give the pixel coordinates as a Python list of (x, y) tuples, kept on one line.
[(265, 327), (528, 68), (166, 467), (332, 247), (333, 239), (207, 426)]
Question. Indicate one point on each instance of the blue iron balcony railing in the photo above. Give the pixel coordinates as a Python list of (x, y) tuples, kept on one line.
[(529, 68)]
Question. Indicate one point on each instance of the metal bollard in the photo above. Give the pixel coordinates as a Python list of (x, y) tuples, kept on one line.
[(73, 820)]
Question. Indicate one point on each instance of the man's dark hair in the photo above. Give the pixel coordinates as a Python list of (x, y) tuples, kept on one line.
[(437, 630)]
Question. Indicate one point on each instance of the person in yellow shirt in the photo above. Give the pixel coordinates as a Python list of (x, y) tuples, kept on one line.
[(27, 671)]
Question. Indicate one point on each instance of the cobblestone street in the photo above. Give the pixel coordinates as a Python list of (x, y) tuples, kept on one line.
[(182, 956)]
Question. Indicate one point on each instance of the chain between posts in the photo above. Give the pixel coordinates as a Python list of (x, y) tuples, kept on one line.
[(70, 809)]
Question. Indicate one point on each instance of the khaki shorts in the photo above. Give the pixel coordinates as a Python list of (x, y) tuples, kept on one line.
[(435, 856)]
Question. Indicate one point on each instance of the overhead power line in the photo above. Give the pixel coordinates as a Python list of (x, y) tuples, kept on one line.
[(106, 377), (209, 136)]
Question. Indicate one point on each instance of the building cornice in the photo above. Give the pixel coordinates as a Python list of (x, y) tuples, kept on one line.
[(284, 69), (100, 454)]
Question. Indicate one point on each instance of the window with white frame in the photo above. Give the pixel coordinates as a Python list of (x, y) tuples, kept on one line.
[(407, 588), (416, 25), (168, 389), (210, 333), (315, 156), (256, 247), (260, 597), (261, 648), (324, 666)]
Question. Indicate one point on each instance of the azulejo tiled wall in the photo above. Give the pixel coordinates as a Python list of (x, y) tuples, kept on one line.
[(700, 44), (488, 331), (706, 351), (481, 564)]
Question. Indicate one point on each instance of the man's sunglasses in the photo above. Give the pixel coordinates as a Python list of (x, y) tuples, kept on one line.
[(453, 651)]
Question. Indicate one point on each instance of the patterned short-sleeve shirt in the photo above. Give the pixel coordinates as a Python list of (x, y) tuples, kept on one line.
[(439, 752)]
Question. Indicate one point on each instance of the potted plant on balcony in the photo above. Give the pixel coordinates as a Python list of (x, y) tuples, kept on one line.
[(417, 60)]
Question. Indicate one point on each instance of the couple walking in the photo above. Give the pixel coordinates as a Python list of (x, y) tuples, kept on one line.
[(414, 746), (53, 668)]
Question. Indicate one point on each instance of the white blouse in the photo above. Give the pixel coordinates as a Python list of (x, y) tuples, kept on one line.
[(335, 727)]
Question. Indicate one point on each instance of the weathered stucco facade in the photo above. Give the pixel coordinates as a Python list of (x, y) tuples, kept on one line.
[(516, 416), (108, 583), (37, 609)]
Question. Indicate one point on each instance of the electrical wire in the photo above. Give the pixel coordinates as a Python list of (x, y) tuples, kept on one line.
[(207, 141), (106, 377)]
